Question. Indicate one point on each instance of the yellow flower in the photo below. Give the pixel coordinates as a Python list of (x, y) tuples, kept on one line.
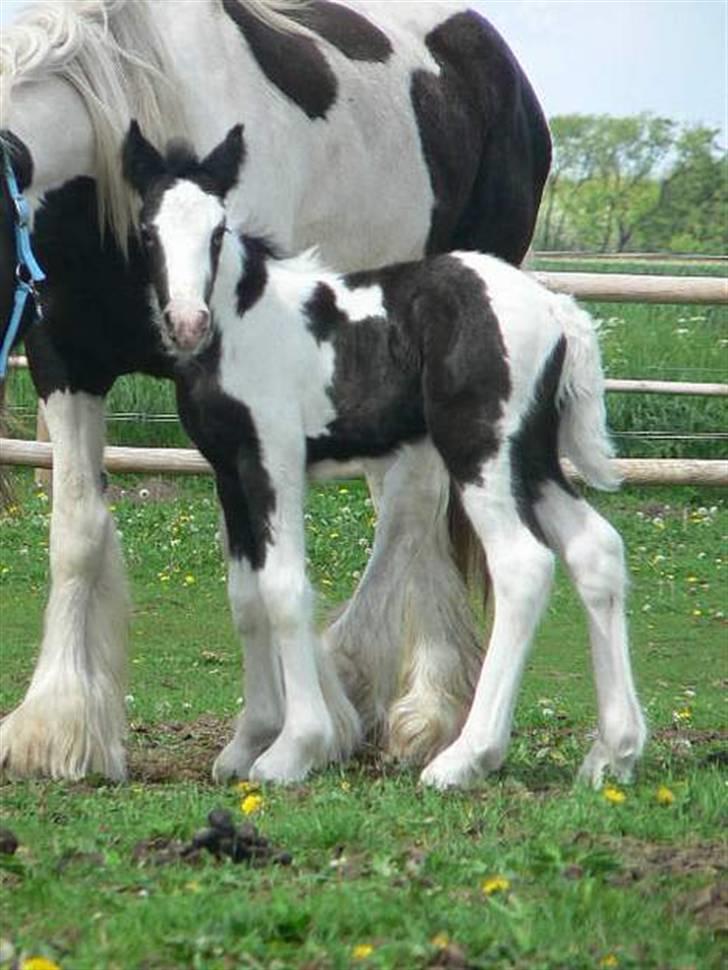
[(684, 714), (246, 787), (441, 941), (614, 796), (251, 803), (38, 963), (609, 961), (189, 580), (496, 884), (664, 796), (361, 951), (345, 786)]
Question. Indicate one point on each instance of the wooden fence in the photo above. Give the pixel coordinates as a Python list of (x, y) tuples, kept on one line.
[(587, 286)]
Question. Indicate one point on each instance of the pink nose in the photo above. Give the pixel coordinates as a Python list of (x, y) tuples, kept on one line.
[(188, 325)]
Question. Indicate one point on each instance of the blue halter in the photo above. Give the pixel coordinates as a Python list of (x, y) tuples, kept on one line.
[(27, 270)]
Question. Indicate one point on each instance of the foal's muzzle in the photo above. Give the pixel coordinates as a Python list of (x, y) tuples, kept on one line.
[(188, 324)]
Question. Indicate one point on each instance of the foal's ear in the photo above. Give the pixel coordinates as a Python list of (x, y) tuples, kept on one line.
[(141, 162), (223, 163)]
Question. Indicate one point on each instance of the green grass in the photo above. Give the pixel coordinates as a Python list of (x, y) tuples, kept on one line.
[(378, 863)]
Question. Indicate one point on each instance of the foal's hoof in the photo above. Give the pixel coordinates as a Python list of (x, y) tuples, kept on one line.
[(455, 767), (233, 763), (601, 761)]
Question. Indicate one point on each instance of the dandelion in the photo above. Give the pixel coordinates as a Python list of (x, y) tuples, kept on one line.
[(362, 951), (246, 787), (251, 804), (613, 795), (683, 715), (609, 960), (441, 941), (495, 884), (345, 785), (189, 580), (663, 796), (38, 963)]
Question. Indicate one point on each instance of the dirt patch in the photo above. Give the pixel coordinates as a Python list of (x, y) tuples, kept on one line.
[(708, 906), (177, 750), (644, 859)]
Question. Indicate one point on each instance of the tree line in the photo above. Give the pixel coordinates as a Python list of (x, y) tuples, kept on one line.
[(634, 184)]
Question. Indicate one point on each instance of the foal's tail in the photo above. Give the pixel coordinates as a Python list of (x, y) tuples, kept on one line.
[(583, 435)]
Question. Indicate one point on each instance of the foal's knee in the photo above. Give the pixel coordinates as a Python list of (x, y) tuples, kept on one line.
[(596, 559), (521, 567), (246, 605), (287, 599)]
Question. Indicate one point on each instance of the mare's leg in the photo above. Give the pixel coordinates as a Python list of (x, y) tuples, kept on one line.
[(72, 720), (593, 553), (521, 570), (262, 719), (406, 645)]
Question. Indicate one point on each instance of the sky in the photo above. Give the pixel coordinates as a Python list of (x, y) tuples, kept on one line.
[(619, 57)]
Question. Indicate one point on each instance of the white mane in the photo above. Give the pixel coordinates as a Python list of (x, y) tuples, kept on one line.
[(113, 55)]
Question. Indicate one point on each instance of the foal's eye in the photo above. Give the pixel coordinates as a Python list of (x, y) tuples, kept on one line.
[(147, 235), (217, 236)]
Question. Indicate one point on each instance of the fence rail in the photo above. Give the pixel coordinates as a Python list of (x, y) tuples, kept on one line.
[(186, 461), (591, 257)]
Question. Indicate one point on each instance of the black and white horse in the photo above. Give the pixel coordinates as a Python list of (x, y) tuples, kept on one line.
[(282, 364), (379, 131)]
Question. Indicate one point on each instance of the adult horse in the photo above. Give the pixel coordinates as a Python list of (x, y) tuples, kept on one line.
[(380, 132)]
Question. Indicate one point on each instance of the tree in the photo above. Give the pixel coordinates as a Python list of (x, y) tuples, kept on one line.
[(691, 214), (604, 179)]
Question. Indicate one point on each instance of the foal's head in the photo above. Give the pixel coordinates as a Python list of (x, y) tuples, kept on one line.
[(183, 225)]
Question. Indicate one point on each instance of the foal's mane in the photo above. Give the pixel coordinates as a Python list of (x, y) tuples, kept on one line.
[(114, 56)]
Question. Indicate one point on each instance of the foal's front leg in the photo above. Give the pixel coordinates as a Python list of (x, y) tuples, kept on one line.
[(320, 725), (293, 696), (262, 718)]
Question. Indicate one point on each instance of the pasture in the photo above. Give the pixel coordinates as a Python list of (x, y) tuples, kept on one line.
[(528, 871)]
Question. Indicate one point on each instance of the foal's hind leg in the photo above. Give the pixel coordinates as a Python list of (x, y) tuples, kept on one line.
[(72, 720), (593, 553), (521, 569)]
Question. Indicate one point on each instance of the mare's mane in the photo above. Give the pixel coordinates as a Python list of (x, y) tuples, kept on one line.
[(114, 56)]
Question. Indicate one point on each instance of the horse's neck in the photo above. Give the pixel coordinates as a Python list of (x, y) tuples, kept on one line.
[(49, 117)]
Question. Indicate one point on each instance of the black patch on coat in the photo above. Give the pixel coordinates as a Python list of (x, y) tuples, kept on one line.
[(290, 61), (255, 273), (485, 140), (96, 317), (224, 431), (376, 387), (323, 314), (535, 447), (436, 365), (348, 31), (466, 378)]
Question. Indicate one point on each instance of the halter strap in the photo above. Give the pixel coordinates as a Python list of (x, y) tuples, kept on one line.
[(27, 270)]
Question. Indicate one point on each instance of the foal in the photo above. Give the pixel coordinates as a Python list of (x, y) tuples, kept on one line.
[(282, 365)]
